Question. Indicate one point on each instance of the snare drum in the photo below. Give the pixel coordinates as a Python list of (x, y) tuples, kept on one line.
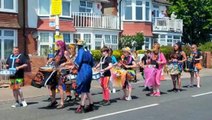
[(46, 69), (96, 75), (69, 78), (6, 72), (130, 75)]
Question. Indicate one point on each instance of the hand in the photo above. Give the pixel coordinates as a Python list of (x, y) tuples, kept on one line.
[(103, 70), (17, 68)]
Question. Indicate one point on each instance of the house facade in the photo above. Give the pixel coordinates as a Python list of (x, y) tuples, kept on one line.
[(80, 19), (149, 17)]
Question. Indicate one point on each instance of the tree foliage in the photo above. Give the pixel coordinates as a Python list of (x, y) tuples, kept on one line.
[(197, 19), (127, 41)]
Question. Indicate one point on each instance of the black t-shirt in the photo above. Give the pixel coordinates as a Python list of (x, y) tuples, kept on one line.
[(105, 63), (18, 61), (62, 57), (196, 55), (129, 61)]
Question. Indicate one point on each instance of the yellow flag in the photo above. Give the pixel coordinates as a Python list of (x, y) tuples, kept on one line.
[(56, 7)]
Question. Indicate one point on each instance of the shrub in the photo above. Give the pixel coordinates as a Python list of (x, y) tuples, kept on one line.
[(140, 51), (117, 54), (206, 47), (96, 54), (167, 50)]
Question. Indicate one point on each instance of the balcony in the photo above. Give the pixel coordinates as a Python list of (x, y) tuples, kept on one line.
[(167, 24), (91, 20)]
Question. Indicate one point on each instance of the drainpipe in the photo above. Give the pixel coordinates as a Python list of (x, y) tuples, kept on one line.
[(120, 1), (24, 28)]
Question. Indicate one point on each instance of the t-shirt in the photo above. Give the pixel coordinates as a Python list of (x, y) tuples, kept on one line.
[(113, 59), (105, 61), (196, 55), (128, 61), (18, 61)]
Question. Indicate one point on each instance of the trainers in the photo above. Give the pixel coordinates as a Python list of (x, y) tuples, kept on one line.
[(68, 99), (152, 93), (114, 90), (24, 104), (16, 105), (52, 104), (157, 94), (128, 98)]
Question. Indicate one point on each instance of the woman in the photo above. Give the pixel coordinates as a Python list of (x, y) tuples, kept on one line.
[(181, 57), (105, 65), (70, 55), (128, 64), (114, 62), (158, 60), (196, 58), (84, 63), (58, 59)]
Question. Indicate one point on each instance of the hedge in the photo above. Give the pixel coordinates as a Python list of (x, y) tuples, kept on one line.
[(206, 47)]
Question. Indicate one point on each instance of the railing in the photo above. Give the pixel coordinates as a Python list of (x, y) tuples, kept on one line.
[(90, 20), (167, 24)]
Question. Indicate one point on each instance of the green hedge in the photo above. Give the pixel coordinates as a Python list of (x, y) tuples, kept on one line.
[(206, 47), (97, 54)]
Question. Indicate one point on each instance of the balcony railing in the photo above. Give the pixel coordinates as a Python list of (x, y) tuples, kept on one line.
[(90, 20), (167, 24)]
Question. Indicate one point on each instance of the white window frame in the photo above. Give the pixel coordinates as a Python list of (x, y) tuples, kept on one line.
[(2, 37), (147, 42), (71, 37), (49, 43), (142, 8), (86, 6), (133, 5), (149, 10), (132, 11), (49, 14), (14, 10), (110, 44), (98, 39)]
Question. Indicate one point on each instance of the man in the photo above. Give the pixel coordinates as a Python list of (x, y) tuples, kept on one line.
[(17, 62)]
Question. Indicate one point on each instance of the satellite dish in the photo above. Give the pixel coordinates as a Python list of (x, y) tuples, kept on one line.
[(34, 34)]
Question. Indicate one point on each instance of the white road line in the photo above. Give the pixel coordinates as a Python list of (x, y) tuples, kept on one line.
[(119, 112), (207, 93)]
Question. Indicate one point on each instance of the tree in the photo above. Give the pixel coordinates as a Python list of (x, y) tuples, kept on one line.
[(131, 41), (197, 19)]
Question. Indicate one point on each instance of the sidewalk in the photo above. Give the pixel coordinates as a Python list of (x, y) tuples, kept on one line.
[(30, 92)]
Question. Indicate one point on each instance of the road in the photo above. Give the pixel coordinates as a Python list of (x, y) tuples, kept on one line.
[(190, 104)]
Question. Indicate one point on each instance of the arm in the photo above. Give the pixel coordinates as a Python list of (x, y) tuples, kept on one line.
[(162, 59), (184, 57)]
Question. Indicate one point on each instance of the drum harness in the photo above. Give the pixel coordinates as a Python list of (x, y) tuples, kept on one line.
[(13, 58)]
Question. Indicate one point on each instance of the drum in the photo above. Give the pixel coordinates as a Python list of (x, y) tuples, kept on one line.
[(96, 75), (45, 76), (173, 69), (6, 72), (130, 75), (64, 72)]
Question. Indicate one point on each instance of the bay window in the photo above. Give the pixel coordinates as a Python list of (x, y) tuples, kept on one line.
[(148, 11), (128, 10), (139, 10), (66, 8)]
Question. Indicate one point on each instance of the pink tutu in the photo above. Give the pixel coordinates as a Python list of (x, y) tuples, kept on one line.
[(149, 74)]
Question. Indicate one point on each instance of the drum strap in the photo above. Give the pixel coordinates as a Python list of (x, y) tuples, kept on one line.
[(13, 58), (49, 77)]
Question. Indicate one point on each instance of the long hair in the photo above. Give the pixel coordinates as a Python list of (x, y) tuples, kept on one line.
[(62, 47)]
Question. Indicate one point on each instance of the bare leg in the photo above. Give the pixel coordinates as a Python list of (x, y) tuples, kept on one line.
[(192, 78), (198, 79), (61, 94), (15, 94), (20, 93)]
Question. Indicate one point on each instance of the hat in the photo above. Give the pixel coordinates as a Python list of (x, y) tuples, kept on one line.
[(126, 49), (80, 42)]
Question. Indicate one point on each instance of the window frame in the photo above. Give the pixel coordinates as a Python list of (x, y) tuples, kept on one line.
[(86, 6), (4, 38), (14, 10)]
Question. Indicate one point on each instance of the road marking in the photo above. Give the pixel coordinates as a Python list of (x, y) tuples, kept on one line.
[(207, 93), (119, 112)]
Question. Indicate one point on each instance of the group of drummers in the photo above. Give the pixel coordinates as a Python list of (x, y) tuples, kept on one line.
[(71, 72)]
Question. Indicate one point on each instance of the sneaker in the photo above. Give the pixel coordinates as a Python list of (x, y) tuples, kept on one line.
[(90, 108), (114, 90), (52, 104), (106, 103), (128, 98), (68, 99), (24, 104), (16, 105), (152, 93), (157, 94)]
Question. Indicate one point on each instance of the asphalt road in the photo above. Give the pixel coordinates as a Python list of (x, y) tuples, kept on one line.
[(190, 104)]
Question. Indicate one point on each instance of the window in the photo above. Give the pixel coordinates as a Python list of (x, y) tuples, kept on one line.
[(147, 11), (163, 39), (97, 36), (98, 45), (139, 11), (169, 40), (176, 38), (107, 39), (128, 10), (87, 39), (45, 43), (7, 42), (77, 36), (44, 37), (85, 6), (67, 38), (44, 7), (114, 39), (147, 43), (66, 10), (8, 5)]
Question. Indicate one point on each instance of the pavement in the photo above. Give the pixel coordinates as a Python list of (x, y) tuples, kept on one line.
[(31, 92), (190, 104)]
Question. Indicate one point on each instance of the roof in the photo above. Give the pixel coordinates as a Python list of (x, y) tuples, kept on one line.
[(131, 28), (9, 21), (65, 25)]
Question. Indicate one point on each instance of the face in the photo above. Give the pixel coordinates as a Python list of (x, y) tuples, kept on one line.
[(58, 46), (176, 47), (104, 53), (15, 51), (193, 48), (126, 53)]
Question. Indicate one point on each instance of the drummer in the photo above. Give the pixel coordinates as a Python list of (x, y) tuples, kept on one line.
[(128, 64), (58, 59), (105, 65), (70, 55), (17, 61)]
